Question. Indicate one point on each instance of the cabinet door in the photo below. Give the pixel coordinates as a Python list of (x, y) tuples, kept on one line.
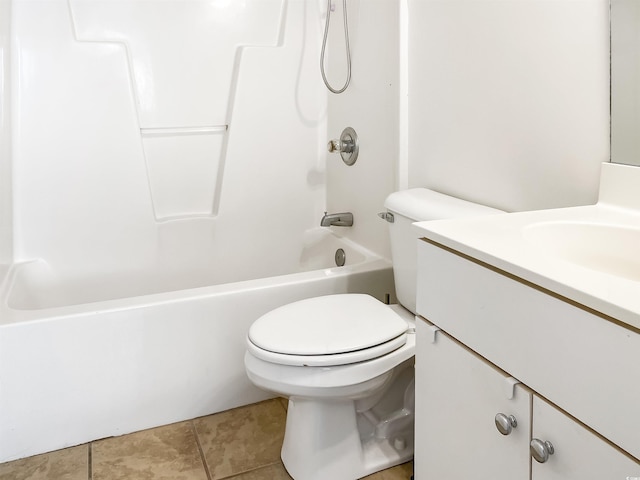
[(578, 453), (458, 395)]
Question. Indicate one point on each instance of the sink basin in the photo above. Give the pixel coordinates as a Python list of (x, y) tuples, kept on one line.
[(589, 254), (606, 248)]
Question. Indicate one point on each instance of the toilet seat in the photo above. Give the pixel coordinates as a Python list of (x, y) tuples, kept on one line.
[(327, 331), (327, 360)]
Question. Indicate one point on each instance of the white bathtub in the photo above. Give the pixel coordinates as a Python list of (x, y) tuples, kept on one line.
[(82, 358)]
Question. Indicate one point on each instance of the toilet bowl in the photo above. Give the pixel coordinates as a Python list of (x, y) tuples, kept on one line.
[(345, 362), (350, 390)]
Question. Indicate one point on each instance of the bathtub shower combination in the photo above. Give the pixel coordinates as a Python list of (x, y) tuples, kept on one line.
[(155, 212), (97, 367)]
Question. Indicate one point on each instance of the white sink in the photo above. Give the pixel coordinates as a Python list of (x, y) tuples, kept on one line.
[(606, 248), (589, 255)]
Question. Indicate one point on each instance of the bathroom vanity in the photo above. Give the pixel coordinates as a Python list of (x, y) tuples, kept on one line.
[(529, 343)]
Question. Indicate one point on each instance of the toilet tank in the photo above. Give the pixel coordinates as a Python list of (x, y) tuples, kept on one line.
[(418, 205)]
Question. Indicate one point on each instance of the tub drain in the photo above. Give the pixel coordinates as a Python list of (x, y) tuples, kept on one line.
[(340, 257)]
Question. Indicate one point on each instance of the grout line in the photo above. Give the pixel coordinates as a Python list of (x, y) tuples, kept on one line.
[(239, 474), (90, 461), (202, 457), (281, 401)]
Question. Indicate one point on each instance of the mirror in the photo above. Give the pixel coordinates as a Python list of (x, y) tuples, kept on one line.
[(625, 81)]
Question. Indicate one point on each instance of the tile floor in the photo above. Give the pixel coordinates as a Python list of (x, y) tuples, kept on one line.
[(240, 444)]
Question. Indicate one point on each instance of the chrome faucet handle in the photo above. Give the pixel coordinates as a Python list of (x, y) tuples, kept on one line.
[(333, 146), (347, 146)]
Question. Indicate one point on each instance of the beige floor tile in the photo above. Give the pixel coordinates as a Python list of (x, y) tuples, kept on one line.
[(169, 452), (399, 472), (242, 439), (272, 472), (68, 464)]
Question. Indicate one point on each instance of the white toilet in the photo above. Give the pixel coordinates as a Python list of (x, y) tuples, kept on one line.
[(346, 361)]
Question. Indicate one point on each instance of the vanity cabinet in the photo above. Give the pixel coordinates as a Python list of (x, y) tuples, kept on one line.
[(579, 374), (459, 396)]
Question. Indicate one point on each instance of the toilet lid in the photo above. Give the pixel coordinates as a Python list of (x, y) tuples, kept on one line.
[(330, 325)]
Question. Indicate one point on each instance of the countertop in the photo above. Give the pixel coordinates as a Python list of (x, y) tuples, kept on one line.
[(504, 242)]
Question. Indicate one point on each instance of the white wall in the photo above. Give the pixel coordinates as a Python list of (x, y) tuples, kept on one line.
[(509, 100), (6, 232), (371, 106), (508, 104)]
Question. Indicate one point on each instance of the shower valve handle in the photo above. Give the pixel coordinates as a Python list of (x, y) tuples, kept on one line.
[(340, 146), (333, 146), (347, 146)]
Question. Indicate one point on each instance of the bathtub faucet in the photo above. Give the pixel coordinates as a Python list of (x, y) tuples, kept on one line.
[(337, 219)]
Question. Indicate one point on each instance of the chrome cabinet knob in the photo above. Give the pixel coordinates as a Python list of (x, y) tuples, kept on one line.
[(505, 424), (540, 450)]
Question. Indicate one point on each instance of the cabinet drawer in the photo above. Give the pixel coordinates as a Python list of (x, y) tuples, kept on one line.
[(583, 363)]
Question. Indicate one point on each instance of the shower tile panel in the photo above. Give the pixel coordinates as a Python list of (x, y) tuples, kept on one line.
[(183, 56), (6, 235), (183, 172), (90, 183), (78, 165)]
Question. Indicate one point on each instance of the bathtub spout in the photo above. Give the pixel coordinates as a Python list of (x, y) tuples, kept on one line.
[(337, 219)]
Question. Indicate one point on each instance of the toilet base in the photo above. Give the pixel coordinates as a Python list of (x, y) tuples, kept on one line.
[(344, 439)]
